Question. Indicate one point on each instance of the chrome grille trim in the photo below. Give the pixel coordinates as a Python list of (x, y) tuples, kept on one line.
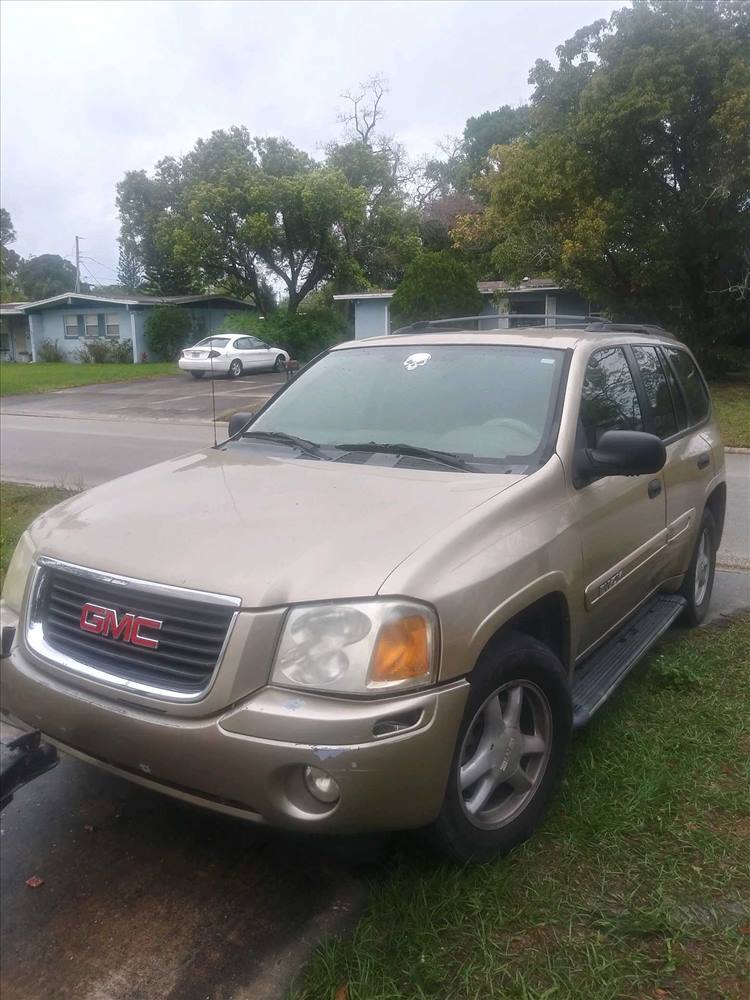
[(37, 641)]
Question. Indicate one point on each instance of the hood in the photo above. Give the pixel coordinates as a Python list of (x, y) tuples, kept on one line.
[(268, 528)]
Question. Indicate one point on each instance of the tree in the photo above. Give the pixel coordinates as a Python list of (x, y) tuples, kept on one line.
[(436, 286), (634, 183), (365, 109), (240, 212), (167, 330), (383, 238), (46, 275), (9, 259), (129, 268)]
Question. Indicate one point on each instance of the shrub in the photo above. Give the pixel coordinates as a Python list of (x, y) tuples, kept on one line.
[(436, 286), (121, 352), (167, 330), (303, 334), (96, 352), (50, 350), (100, 352)]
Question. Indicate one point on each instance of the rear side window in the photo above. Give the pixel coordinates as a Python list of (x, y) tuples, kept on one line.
[(657, 390), (609, 401), (691, 382)]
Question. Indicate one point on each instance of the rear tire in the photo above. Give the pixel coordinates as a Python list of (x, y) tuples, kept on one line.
[(525, 737), (235, 368), (699, 579), (197, 374), (280, 362)]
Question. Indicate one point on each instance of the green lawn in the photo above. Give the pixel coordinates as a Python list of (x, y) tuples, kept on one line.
[(19, 505), (44, 377), (732, 404), (638, 885)]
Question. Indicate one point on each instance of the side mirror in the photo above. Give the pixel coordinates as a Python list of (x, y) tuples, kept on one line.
[(620, 453), (238, 421), (267, 346)]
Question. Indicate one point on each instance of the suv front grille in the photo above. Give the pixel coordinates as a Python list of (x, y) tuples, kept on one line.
[(190, 640)]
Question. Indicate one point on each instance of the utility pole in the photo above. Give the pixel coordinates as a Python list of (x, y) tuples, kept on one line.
[(78, 265)]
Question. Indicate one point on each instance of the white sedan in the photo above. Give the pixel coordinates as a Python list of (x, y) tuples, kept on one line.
[(231, 354)]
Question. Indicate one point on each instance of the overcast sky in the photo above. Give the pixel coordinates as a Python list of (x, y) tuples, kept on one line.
[(90, 90)]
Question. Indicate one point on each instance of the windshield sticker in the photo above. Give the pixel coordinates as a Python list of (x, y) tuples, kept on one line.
[(548, 361), (416, 361)]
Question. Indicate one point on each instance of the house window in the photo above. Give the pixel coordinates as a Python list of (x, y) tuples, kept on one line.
[(91, 325), (113, 324), (71, 327)]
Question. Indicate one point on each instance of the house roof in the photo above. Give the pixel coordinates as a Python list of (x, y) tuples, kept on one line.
[(130, 299), (12, 308), (485, 287), (527, 285), (357, 296)]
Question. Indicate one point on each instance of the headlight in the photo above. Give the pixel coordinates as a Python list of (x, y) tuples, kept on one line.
[(357, 648), (18, 572)]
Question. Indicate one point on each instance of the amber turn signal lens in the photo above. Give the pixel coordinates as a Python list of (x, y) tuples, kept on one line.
[(402, 651)]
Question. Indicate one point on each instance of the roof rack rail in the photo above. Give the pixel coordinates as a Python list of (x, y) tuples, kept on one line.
[(541, 318), (591, 324)]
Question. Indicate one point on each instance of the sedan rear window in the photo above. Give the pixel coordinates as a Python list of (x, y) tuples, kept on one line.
[(213, 342)]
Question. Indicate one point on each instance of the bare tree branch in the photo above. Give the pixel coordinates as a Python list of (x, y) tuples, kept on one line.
[(366, 108)]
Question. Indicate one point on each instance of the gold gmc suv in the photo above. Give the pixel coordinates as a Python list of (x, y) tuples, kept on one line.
[(389, 597)]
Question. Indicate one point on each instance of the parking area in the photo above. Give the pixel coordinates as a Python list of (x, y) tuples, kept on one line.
[(174, 398)]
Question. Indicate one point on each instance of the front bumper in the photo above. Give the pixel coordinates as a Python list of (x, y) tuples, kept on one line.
[(248, 760)]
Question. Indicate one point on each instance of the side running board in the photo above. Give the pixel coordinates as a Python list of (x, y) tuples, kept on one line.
[(602, 673)]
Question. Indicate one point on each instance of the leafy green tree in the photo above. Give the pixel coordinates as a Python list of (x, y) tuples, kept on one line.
[(46, 275), (168, 329), (634, 183), (384, 237), (129, 269), (9, 259), (241, 212), (436, 286)]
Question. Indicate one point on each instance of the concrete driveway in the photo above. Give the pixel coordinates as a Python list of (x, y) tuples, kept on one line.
[(175, 398)]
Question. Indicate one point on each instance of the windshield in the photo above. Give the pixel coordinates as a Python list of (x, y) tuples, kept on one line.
[(489, 402), (213, 342)]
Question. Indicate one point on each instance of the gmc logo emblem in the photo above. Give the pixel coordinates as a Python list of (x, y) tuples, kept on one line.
[(128, 627)]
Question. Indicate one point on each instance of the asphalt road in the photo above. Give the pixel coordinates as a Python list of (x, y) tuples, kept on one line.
[(174, 398)]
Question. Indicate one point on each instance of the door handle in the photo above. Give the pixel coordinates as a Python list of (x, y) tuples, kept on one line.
[(704, 460), (654, 488)]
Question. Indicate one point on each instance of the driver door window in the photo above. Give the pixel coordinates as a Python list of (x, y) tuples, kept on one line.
[(609, 401)]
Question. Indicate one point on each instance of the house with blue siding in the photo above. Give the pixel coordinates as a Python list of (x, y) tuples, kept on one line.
[(504, 305), (74, 319)]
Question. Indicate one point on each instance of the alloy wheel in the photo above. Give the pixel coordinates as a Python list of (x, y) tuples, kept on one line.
[(504, 754)]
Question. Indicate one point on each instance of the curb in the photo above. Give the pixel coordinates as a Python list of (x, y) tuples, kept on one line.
[(737, 451)]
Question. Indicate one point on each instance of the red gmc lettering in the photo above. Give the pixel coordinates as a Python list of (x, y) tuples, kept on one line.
[(106, 621)]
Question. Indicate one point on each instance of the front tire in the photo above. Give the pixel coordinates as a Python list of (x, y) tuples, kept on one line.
[(510, 752), (699, 579), (280, 362), (235, 368)]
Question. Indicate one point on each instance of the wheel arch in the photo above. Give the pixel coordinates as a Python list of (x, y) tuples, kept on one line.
[(717, 504), (547, 619)]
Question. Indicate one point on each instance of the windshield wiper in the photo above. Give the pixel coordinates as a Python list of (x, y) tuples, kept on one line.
[(443, 457), (280, 437)]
